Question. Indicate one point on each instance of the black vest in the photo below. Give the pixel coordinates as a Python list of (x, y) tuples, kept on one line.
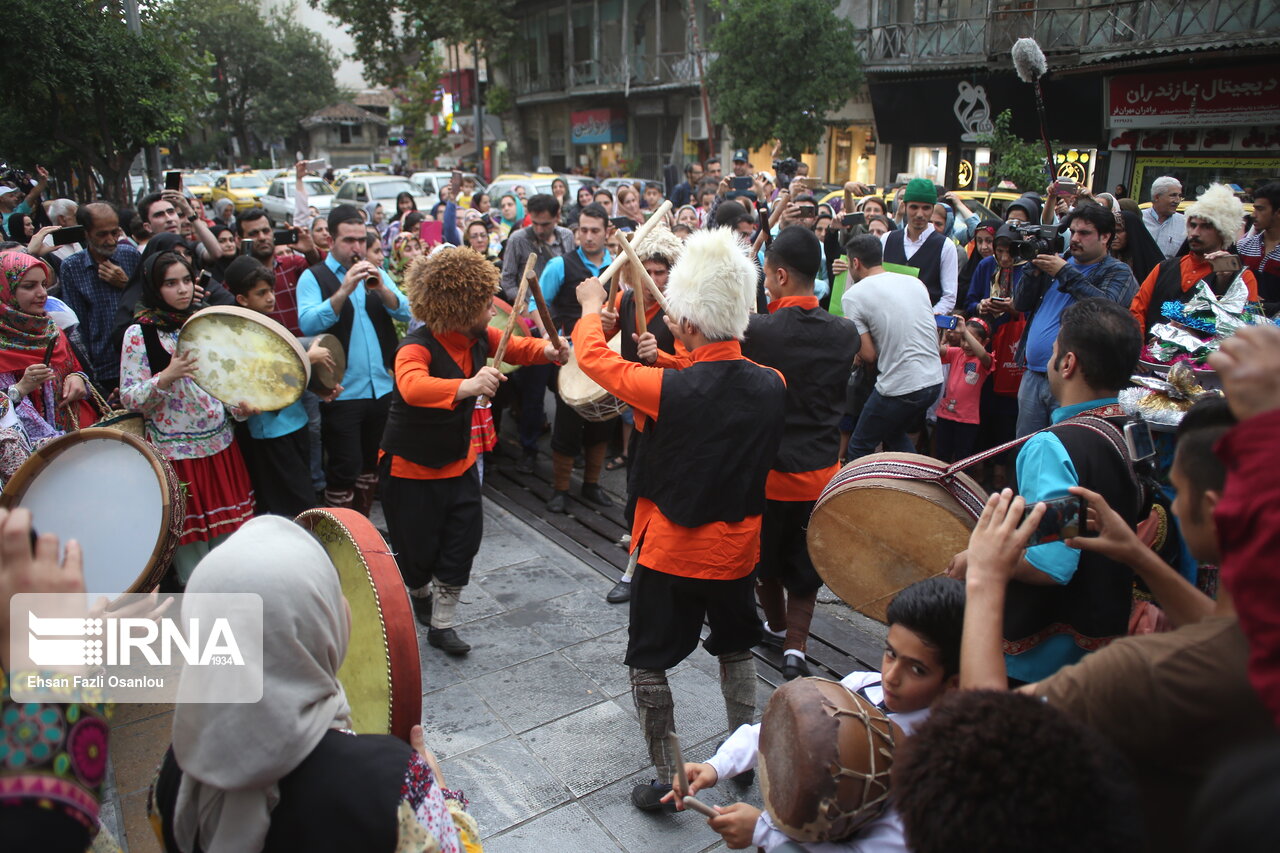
[(1168, 288), (1094, 606), (429, 436), (564, 308), (814, 351), (927, 259), (707, 456), (627, 327), (383, 326), (354, 781)]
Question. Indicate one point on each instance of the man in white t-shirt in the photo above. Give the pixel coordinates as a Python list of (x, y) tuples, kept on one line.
[(895, 318)]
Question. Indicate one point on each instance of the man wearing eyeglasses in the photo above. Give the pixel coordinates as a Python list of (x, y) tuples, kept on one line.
[(1167, 226)]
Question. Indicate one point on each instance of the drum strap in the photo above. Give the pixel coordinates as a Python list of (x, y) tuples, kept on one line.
[(974, 500)]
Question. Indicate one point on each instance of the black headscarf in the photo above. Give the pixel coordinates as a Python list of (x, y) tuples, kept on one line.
[(152, 308), (1141, 252), (975, 257)]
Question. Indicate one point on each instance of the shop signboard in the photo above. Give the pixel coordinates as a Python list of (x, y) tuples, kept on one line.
[(598, 127), (1208, 98)]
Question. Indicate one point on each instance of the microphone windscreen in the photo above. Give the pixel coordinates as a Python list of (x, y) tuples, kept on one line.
[(1028, 60)]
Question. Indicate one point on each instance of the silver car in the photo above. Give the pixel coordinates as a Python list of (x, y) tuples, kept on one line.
[(279, 201), (359, 190)]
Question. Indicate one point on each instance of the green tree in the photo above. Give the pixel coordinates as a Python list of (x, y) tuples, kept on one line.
[(764, 83), (88, 92), (268, 73), (417, 101), (1013, 158)]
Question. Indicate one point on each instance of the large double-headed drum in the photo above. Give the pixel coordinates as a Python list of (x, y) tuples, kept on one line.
[(381, 674), (886, 521), (115, 495), (584, 395), (825, 757)]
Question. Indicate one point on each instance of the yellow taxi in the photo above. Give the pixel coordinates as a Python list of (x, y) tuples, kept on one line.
[(244, 189), (200, 185)]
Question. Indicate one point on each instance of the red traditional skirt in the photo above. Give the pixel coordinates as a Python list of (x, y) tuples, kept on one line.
[(219, 494)]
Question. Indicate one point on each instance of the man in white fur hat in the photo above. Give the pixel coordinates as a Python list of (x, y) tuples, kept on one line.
[(714, 430), (1213, 222)]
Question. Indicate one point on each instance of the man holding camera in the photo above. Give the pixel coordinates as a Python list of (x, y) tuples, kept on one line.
[(358, 303), (1053, 283), (255, 226)]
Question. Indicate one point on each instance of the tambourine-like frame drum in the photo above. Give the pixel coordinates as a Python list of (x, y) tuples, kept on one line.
[(115, 495), (245, 357), (381, 674), (871, 535)]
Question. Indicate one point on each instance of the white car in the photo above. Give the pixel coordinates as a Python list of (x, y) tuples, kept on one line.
[(432, 181), (359, 190), (279, 201)]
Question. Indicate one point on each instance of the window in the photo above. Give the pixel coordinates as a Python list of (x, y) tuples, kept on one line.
[(344, 134), (357, 130)]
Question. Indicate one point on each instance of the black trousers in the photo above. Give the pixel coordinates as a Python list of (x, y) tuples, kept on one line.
[(572, 432), (351, 431), (784, 551), (435, 526), (667, 613), (280, 469)]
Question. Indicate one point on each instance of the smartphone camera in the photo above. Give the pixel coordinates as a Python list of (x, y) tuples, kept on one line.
[(851, 219), (173, 181), (246, 247), (1141, 444), (285, 236), (947, 321), (1064, 518)]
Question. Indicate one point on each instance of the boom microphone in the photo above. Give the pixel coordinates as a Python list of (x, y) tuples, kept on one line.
[(1028, 60)]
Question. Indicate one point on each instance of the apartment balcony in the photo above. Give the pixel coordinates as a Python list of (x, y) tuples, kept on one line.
[(1082, 31), (642, 73)]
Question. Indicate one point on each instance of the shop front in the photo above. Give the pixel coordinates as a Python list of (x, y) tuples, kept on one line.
[(1202, 126), (599, 138)]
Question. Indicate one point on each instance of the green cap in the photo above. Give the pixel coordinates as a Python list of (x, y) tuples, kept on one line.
[(920, 189)]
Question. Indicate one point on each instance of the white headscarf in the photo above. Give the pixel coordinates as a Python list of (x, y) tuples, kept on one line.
[(232, 755)]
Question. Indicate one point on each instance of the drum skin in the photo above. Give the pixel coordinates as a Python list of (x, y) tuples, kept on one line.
[(324, 379), (825, 758), (584, 395), (244, 356), (381, 673), (105, 487), (502, 315), (869, 539)]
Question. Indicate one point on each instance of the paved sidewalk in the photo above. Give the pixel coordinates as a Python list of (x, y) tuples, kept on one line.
[(537, 725)]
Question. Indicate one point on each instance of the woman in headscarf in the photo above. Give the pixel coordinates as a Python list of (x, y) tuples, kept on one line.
[(480, 202), (183, 421), (984, 239), (560, 190), (287, 773), (569, 214), (50, 398), (406, 247), (512, 211), (374, 217), (1134, 245), (629, 204)]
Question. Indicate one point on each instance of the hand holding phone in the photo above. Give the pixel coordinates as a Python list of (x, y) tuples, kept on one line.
[(173, 181), (48, 351), (741, 182), (1064, 518), (946, 321), (67, 236)]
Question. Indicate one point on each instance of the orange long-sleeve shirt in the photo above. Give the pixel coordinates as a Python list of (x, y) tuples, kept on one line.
[(716, 551), (681, 357), (1192, 270), (419, 388)]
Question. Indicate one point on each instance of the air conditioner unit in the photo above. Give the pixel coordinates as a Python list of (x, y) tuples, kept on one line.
[(695, 121)]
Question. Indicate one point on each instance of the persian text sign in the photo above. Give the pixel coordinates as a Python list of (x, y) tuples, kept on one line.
[(1197, 98), (590, 127)]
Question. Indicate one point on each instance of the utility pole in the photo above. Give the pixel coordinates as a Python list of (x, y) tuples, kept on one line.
[(152, 155), (475, 56)]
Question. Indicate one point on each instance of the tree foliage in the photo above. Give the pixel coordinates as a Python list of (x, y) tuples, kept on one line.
[(85, 90), (417, 101), (1013, 158), (782, 65), (268, 73)]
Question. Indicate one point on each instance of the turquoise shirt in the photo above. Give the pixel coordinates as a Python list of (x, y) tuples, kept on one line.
[(366, 376), (1045, 471), (552, 277), (287, 421)]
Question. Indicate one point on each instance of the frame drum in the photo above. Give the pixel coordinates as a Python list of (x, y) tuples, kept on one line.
[(325, 379), (244, 356), (583, 395), (112, 493), (880, 525), (381, 674)]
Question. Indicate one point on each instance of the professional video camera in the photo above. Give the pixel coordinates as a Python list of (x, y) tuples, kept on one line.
[(785, 170), (1033, 240)]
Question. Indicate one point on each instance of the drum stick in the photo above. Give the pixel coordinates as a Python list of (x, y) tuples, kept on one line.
[(613, 282), (522, 294), (644, 229), (552, 335), (637, 288), (692, 802), (647, 280)]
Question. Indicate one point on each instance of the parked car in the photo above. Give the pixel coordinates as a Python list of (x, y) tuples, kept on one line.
[(362, 189), (279, 200), (200, 184), (433, 180), (534, 184), (245, 189)]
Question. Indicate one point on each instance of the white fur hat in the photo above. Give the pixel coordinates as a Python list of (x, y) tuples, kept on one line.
[(1220, 208), (713, 286), (660, 243)]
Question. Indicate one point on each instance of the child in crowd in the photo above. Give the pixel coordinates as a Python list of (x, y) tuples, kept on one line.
[(921, 663), (969, 365)]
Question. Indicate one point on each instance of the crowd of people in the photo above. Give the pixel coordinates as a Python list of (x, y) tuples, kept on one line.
[(757, 341)]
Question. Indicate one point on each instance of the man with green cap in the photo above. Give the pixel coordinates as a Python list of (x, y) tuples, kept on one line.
[(921, 246)]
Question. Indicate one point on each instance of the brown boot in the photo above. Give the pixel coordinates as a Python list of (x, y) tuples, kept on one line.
[(339, 498), (366, 491)]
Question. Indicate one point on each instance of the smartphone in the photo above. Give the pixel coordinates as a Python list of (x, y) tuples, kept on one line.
[(622, 223), (246, 247), (1064, 187), (285, 236), (67, 236), (851, 219), (740, 182), (1063, 518), (1137, 435), (173, 181), (1226, 263), (946, 321), (48, 351)]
